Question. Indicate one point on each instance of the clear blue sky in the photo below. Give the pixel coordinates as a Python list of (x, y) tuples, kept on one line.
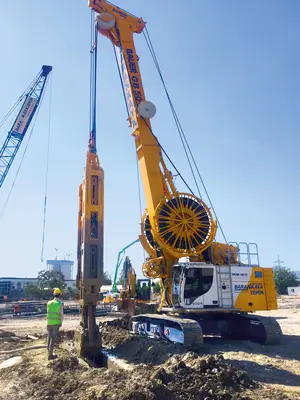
[(232, 69)]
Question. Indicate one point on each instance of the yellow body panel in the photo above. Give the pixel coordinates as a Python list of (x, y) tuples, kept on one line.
[(270, 289), (258, 294)]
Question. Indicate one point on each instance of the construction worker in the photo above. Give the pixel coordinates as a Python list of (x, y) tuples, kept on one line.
[(17, 309), (55, 316), (144, 292)]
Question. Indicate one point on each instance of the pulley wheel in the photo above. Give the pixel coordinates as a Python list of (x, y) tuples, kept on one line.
[(146, 109), (105, 21)]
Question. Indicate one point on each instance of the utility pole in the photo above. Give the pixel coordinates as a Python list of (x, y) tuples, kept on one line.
[(56, 250), (278, 262)]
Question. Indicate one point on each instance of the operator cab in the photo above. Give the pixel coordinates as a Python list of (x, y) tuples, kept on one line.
[(194, 286), (143, 291)]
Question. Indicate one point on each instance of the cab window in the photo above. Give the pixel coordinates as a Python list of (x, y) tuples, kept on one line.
[(198, 281)]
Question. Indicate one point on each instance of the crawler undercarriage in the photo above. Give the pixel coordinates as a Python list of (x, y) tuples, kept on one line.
[(190, 330)]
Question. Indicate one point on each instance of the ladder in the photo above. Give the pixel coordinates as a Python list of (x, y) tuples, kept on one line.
[(225, 290)]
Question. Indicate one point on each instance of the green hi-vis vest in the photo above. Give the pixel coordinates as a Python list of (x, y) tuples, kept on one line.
[(53, 312)]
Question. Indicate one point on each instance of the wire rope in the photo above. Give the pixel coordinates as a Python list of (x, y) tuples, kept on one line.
[(47, 171), (182, 135)]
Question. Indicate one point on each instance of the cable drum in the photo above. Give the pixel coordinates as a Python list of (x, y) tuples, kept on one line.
[(184, 225)]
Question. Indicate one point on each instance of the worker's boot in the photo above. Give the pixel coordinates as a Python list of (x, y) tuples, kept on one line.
[(52, 357)]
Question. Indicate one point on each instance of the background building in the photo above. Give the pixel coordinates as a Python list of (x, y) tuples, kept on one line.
[(14, 287), (64, 266), (295, 291)]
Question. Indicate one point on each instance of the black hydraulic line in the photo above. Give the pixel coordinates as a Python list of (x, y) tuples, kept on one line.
[(93, 85), (165, 153), (91, 67), (121, 80), (137, 166), (148, 41), (139, 186), (163, 150)]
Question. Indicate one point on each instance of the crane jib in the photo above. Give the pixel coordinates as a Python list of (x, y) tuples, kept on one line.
[(24, 116), (22, 121)]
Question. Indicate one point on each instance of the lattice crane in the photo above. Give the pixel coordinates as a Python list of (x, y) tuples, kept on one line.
[(32, 99)]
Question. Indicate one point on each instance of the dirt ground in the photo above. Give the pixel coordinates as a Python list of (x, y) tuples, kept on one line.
[(153, 370)]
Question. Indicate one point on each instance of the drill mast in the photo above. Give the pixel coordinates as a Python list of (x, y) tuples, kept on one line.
[(90, 230)]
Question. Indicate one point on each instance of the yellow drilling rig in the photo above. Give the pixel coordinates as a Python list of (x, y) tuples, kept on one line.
[(214, 290)]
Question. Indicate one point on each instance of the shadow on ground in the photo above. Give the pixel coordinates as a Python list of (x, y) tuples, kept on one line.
[(267, 373), (264, 371), (288, 349)]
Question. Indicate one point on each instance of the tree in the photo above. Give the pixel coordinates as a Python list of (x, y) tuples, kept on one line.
[(106, 278), (71, 293), (33, 292), (51, 280), (120, 281), (284, 278)]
